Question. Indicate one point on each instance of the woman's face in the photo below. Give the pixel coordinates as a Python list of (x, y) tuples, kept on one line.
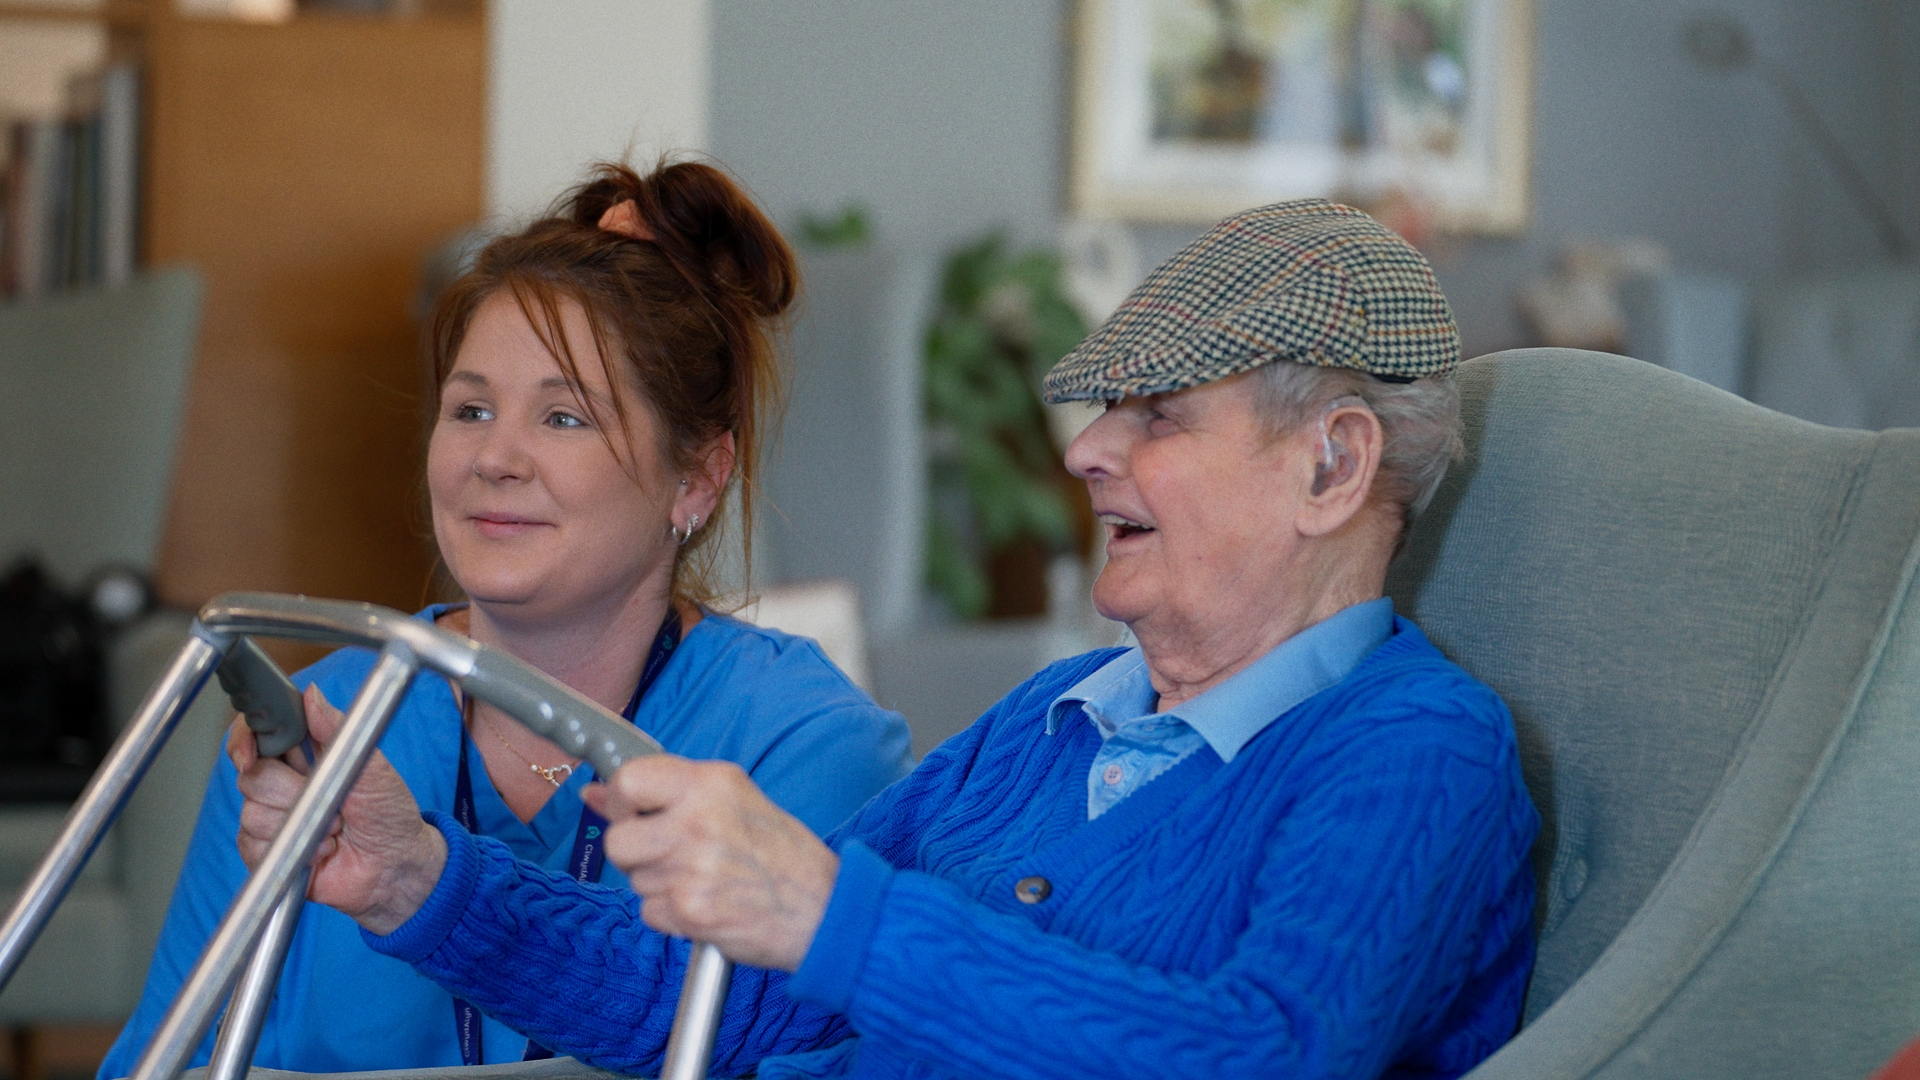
[(536, 517), (1199, 503)]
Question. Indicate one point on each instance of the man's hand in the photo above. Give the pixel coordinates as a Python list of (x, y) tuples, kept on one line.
[(378, 862), (714, 860)]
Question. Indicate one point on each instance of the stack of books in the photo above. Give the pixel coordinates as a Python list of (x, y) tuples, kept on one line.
[(69, 191)]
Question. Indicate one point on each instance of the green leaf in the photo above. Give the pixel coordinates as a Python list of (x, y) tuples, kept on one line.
[(953, 575), (850, 229), (1002, 320)]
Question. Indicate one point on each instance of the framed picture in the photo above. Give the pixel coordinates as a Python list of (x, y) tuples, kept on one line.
[(1191, 110)]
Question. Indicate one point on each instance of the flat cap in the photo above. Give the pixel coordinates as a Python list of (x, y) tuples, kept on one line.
[(1309, 281)]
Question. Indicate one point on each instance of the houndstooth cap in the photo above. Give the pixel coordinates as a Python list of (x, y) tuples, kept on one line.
[(1309, 281)]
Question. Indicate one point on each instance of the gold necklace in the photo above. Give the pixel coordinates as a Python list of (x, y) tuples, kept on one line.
[(556, 775)]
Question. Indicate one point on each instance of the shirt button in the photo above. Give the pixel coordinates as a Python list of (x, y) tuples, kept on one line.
[(1032, 890), (1113, 775)]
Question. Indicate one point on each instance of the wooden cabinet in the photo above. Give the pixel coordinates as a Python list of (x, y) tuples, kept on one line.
[(307, 168)]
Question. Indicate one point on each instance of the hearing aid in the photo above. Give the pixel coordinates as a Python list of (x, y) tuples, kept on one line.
[(1336, 463)]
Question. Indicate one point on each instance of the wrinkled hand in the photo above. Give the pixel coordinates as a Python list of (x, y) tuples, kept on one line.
[(379, 860), (714, 860)]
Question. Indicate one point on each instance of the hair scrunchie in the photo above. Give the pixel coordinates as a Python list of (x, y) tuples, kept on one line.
[(624, 218)]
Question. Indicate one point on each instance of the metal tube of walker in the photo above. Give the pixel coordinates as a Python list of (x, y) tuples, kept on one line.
[(187, 1020), (105, 796), (247, 1010), (696, 1021), (530, 697)]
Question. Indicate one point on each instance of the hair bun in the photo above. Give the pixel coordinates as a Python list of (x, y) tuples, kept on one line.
[(706, 225)]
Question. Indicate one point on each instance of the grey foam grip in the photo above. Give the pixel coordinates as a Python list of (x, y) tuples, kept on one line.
[(262, 694), (556, 713)]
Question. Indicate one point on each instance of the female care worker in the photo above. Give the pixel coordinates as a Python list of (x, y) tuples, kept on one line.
[(604, 376)]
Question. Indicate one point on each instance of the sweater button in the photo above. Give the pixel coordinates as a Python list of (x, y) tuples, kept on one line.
[(1032, 890)]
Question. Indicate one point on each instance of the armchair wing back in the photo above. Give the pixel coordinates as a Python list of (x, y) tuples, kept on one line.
[(1698, 612)]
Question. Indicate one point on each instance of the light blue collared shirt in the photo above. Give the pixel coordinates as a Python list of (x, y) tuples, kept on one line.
[(1138, 743)]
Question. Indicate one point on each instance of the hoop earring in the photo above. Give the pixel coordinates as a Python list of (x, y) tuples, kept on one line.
[(693, 523)]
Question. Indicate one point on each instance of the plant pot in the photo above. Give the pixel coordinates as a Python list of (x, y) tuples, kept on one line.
[(1017, 575)]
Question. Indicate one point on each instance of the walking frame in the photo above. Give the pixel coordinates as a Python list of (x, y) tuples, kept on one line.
[(260, 924)]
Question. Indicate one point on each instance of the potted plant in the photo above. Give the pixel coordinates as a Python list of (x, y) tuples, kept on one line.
[(1002, 505)]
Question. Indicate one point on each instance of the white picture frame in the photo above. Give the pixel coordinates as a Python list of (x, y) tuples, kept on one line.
[(1187, 111)]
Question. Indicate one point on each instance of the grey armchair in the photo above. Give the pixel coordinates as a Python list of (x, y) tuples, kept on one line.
[(1699, 612), (92, 390)]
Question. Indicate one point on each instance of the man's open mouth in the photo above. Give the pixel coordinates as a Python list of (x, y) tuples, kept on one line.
[(1124, 527)]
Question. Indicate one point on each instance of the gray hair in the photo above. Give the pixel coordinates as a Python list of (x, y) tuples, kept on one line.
[(1419, 422)]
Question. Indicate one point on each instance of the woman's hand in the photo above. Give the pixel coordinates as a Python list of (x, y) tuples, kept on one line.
[(379, 860), (714, 860)]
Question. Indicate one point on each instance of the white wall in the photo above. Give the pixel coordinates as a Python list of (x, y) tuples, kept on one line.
[(944, 119), (571, 82)]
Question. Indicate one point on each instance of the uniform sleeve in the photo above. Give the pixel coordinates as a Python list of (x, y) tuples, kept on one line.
[(835, 748), (823, 770), (209, 879)]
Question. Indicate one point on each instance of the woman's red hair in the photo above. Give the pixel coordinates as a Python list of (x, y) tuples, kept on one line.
[(689, 318)]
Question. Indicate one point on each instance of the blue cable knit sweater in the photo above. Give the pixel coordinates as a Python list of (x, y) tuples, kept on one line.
[(1350, 897)]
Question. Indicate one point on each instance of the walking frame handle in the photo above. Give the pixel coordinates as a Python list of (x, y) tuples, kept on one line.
[(544, 705)]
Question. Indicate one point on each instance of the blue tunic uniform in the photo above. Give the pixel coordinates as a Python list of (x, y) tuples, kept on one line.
[(771, 702)]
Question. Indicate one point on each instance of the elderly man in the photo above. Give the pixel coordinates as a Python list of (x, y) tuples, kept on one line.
[(1282, 836)]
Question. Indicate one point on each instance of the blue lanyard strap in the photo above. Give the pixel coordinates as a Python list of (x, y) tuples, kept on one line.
[(589, 856)]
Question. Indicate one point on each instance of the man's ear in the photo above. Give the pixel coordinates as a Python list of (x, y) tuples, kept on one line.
[(1348, 447)]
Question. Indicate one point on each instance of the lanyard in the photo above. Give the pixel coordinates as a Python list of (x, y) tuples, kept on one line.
[(589, 855)]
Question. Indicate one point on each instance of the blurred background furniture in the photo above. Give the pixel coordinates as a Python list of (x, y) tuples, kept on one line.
[(1840, 349), (95, 384), (92, 389), (1700, 613), (826, 611)]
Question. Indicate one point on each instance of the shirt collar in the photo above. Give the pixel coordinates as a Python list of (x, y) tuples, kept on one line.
[(1232, 713), (1118, 690)]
